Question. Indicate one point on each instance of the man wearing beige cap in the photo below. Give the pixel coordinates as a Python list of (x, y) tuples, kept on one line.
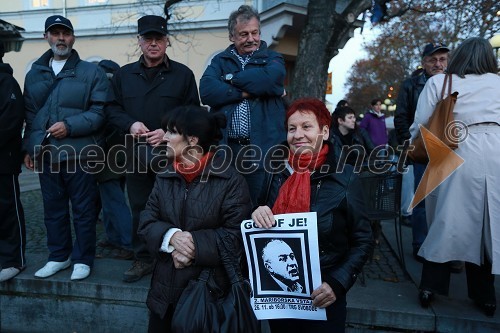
[(144, 92), (64, 107)]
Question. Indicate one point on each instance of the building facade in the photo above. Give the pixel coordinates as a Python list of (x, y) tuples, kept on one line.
[(107, 29)]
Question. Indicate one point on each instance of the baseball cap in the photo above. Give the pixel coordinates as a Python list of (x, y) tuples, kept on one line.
[(57, 20), (152, 23), (431, 48)]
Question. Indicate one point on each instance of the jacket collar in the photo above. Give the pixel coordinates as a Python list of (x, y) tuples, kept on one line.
[(138, 66), (260, 53), (5, 68), (71, 63), (165, 63)]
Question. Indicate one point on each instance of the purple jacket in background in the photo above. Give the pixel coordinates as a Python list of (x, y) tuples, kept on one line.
[(375, 126)]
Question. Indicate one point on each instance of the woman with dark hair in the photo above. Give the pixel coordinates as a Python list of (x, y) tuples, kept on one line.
[(463, 211), (197, 194), (307, 181)]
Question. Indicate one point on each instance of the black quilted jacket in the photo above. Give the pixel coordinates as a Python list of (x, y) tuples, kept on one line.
[(344, 232), (221, 201)]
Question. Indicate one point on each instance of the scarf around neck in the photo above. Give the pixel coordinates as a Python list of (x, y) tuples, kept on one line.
[(189, 173), (295, 194)]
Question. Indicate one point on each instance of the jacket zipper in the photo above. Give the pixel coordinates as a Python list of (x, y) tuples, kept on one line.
[(183, 219), (317, 193)]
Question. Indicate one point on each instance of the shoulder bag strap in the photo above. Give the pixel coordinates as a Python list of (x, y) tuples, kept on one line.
[(444, 86)]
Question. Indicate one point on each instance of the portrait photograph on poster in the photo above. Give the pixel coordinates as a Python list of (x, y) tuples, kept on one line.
[(283, 263)]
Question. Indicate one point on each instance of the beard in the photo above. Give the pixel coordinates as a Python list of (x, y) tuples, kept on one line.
[(61, 52)]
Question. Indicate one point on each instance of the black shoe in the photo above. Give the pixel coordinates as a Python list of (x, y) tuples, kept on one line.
[(487, 308), (122, 254), (425, 297), (137, 271)]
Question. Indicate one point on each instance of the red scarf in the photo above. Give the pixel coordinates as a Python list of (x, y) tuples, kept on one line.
[(295, 194), (191, 172)]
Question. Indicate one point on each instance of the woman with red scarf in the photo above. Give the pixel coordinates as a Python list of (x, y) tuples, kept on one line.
[(309, 180), (197, 194)]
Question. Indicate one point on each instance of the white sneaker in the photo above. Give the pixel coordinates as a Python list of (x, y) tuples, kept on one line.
[(80, 272), (51, 268), (8, 273)]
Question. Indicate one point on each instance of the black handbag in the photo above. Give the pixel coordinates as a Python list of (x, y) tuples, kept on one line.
[(202, 309)]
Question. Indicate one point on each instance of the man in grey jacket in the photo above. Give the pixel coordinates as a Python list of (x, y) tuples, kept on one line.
[(64, 99)]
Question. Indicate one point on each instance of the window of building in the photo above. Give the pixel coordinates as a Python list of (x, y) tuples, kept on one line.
[(39, 3), (95, 2)]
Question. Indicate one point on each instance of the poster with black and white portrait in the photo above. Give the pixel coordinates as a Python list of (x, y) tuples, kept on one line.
[(283, 263)]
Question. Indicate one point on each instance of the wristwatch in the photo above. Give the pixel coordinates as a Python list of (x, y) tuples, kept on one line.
[(228, 78)]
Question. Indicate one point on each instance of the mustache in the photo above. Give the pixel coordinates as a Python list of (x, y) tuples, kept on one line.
[(251, 44), (62, 44)]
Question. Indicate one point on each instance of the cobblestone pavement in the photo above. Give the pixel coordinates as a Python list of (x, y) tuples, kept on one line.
[(35, 228), (383, 265)]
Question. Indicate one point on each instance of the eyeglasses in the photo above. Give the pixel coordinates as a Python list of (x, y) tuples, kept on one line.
[(433, 61), (157, 39)]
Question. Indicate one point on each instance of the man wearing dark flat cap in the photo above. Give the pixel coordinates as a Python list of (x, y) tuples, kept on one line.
[(144, 92), (434, 61), (64, 104)]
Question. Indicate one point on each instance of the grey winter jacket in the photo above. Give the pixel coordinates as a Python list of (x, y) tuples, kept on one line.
[(77, 99)]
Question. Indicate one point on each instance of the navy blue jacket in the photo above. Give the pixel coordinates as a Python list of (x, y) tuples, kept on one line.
[(407, 105), (77, 100), (263, 78)]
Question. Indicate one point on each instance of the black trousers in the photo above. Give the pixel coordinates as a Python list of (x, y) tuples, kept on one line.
[(161, 325), (12, 224), (139, 187), (480, 281)]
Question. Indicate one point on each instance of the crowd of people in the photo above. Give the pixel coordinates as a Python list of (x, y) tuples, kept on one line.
[(178, 195)]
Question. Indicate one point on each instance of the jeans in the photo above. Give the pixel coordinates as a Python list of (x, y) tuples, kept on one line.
[(116, 214), (418, 218), (407, 190), (59, 187)]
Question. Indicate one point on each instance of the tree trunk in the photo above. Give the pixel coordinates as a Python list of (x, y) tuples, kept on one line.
[(324, 31)]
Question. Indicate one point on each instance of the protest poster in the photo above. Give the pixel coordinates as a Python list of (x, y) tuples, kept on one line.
[(283, 264)]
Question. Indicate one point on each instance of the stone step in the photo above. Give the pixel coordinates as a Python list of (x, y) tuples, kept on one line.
[(100, 303)]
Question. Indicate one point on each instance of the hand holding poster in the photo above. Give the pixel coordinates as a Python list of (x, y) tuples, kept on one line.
[(283, 264)]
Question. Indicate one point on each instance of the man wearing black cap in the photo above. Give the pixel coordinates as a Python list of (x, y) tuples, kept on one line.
[(434, 61), (12, 226), (144, 91), (64, 105)]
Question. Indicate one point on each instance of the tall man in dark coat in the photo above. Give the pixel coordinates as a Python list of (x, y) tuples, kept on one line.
[(12, 227), (144, 91), (246, 82)]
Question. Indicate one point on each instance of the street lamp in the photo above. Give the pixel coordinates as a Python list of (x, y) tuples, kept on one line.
[(495, 43)]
